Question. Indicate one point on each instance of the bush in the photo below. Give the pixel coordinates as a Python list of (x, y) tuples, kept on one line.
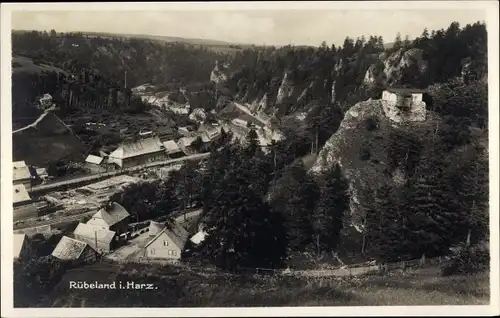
[(467, 261)]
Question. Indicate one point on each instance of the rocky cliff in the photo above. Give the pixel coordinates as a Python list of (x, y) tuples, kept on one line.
[(292, 89), (361, 147)]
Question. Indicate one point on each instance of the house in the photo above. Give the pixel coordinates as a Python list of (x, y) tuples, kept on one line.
[(172, 149), (186, 132), (93, 163), (140, 152), (22, 174), (45, 101), (167, 244), (22, 246), (186, 144), (180, 109), (113, 217), (100, 239), (21, 196), (404, 104), (240, 122), (69, 249)]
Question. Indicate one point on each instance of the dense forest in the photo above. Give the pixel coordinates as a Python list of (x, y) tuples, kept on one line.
[(264, 207)]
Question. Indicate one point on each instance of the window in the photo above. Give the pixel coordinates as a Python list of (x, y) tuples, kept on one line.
[(165, 243), (152, 251)]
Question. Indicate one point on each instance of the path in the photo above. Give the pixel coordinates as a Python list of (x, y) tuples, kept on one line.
[(247, 111)]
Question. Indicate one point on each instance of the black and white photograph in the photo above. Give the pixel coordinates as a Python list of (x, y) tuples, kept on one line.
[(249, 155)]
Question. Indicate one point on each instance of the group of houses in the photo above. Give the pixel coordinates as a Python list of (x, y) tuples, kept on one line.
[(106, 231), (152, 149)]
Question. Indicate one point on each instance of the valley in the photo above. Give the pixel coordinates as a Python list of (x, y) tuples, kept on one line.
[(185, 162)]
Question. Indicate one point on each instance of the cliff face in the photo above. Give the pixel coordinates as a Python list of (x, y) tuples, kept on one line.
[(360, 146), (291, 90)]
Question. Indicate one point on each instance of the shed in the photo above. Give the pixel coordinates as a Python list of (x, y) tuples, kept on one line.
[(21, 195), (98, 238), (69, 249), (94, 159)]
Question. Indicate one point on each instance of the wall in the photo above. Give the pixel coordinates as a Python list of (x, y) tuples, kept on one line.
[(26, 182), (157, 249), (88, 256), (101, 246), (143, 159), (417, 111)]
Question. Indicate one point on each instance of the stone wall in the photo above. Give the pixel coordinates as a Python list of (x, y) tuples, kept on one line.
[(416, 112)]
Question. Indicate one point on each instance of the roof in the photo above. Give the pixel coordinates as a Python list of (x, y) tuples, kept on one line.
[(20, 193), (177, 234), (90, 231), (171, 147), (155, 228), (94, 159), (137, 148), (205, 138), (21, 171), (404, 90), (199, 237), (109, 216), (69, 249), (46, 96), (18, 244), (186, 141)]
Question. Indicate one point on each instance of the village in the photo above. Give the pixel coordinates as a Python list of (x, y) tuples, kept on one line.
[(99, 227), (108, 231)]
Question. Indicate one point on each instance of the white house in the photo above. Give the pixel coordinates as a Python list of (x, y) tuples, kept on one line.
[(167, 244)]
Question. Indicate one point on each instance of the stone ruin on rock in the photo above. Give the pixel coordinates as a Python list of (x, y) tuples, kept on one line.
[(404, 104)]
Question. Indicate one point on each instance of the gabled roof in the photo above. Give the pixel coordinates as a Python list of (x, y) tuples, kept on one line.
[(90, 231), (404, 90), (21, 171), (177, 234), (109, 216), (137, 148), (94, 159), (20, 194), (171, 147), (186, 141), (19, 240), (69, 249)]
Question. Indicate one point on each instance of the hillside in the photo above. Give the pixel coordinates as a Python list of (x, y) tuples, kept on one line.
[(45, 140)]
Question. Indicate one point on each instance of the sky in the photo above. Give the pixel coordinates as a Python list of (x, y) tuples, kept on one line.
[(269, 27)]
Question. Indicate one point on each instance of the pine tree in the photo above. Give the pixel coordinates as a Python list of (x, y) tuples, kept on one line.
[(398, 43), (242, 230), (328, 216)]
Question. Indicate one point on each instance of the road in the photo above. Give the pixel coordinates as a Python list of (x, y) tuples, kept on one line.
[(81, 180), (246, 110)]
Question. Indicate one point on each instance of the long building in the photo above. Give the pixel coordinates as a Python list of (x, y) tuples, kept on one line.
[(140, 152)]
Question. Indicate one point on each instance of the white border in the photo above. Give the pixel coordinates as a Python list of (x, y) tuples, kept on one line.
[(491, 7)]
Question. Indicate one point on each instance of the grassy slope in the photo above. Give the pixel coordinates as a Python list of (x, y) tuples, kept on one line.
[(183, 288)]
